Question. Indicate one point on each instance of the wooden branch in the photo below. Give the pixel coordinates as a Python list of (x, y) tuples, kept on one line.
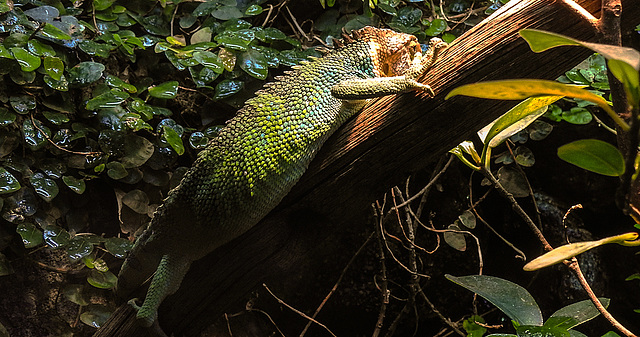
[(382, 145)]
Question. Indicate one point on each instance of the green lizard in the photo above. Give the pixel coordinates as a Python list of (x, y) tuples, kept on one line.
[(262, 152)]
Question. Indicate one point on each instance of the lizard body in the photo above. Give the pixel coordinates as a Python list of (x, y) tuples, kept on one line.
[(262, 152)]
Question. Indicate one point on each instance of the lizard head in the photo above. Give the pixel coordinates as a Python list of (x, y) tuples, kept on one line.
[(391, 51)]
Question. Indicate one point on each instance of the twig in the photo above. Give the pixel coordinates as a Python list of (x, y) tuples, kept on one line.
[(335, 286), (297, 311), (383, 268), (446, 321), (575, 268), (33, 122), (226, 318), (426, 188)]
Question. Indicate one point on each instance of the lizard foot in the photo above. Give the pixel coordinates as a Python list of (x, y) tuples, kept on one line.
[(147, 321)]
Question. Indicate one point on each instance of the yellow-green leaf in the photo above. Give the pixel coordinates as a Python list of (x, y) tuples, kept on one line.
[(570, 250), (521, 89)]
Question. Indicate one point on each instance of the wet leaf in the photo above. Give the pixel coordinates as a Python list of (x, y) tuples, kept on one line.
[(227, 88), (198, 140), (102, 280), (8, 183), (107, 99), (165, 90), (34, 136), (593, 155), (75, 184), (232, 42), (56, 117), (23, 103), (28, 62), (512, 299), (101, 5), (61, 85), (254, 63), (6, 117), (209, 60), (85, 73), (56, 237), (253, 10), (116, 82), (79, 247), (54, 67), (30, 234), (46, 188), (40, 49), (51, 31), (118, 247), (228, 58), (42, 13), (173, 138)]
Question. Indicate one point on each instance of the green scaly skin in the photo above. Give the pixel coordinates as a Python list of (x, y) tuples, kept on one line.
[(262, 152)]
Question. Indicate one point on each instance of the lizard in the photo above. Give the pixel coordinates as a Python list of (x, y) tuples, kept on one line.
[(263, 151)]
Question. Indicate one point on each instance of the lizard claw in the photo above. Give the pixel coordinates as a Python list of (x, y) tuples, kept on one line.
[(424, 87)]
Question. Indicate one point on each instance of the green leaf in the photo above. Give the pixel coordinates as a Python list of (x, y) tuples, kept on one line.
[(437, 27), (201, 35), (79, 247), (172, 137), (23, 103), (6, 117), (593, 155), (46, 188), (101, 5), (75, 184), (75, 294), (85, 73), (510, 298), (254, 63), (54, 67), (40, 49), (577, 115), (55, 117), (55, 237), (34, 136), (8, 183), (116, 82), (137, 151), (102, 280), (209, 60), (577, 313), (165, 90), (54, 32), (537, 331), (108, 99), (521, 89), (227, 88), (115, 170), (30, 234), (118, 247), (454, 239), (28, 62)]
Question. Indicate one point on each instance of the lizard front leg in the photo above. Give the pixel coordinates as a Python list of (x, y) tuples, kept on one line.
[(364, 88)]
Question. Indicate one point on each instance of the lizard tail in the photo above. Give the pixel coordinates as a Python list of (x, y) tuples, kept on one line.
[(139, 266)]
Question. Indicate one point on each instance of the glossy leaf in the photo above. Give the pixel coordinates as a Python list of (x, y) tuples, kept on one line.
[(570, 250), (577, 313), (85, 73), (102, 280), (56, 237), (23, 103), (54, 67), (521, 89), (30, 234), (35, 136), (209, 60), (173, 138), (593, 155), (107, 99), (6, 117), (40, 49), (118, 247), (165, 90), (254, 63), (56, 117), (510, 298), (137, 151), (75, 184), (8, 183), (28, 62), (46, 188)]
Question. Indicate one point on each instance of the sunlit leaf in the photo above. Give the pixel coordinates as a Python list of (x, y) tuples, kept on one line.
[(173, 138), (570, 250), (521, 89), (165, 90)]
